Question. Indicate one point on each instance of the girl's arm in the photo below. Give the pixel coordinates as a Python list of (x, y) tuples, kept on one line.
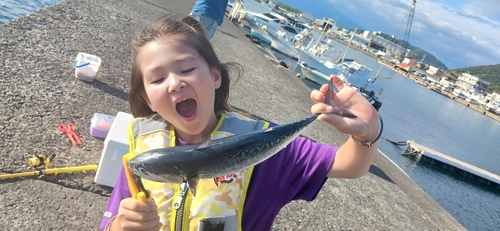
[(352, 159)]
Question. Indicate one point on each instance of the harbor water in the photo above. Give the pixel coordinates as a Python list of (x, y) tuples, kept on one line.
[(413, 112), (12, 9), (410, 112)]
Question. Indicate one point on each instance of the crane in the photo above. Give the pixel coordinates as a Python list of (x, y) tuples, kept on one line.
[(408, 27)]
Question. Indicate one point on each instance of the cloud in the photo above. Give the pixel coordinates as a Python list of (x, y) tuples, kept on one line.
[(460, 35), (487, 8)]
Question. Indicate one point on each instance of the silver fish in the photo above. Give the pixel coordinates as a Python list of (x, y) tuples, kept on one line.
[(336, 109), (215, 158)]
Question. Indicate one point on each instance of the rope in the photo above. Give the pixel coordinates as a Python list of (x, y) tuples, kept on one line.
[(399, 143)]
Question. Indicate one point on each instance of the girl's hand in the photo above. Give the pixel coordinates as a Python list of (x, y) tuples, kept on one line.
[(136, 215), (364, 127)]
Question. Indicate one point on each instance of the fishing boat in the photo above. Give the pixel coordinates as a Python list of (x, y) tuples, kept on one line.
[(271, 20), (260, 22), (318, 50), (319, 64), (276, 31), (285, 39), (349, 68), (258, 34), (365, 87)]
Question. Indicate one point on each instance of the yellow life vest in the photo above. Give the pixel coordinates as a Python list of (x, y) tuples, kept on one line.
[(221, 198)]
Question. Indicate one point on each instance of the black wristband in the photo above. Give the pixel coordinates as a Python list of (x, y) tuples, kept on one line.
[(370, 143)]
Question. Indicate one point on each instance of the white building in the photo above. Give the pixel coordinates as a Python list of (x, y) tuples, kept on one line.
[(432, 70), (470, 83), (388, 43), (492, 101)]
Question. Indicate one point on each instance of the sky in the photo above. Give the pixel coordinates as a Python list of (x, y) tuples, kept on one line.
[(460, 33)]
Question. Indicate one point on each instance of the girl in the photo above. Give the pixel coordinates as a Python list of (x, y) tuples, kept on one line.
[(179, 92)]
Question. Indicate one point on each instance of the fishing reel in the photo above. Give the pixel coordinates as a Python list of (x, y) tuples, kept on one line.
[(40, 160)]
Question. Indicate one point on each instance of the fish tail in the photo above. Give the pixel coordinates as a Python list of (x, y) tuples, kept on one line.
[(336, 109)]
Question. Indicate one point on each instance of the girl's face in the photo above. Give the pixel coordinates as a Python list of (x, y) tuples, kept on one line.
[(180, 86)]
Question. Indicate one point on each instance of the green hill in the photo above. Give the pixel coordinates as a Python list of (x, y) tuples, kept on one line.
[(429, 58), (489, 73), (416, 52)]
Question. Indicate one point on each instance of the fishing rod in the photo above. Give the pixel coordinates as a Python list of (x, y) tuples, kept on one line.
[(43, 160)]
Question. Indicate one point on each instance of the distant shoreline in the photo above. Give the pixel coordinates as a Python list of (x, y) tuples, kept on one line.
[(420, 80)]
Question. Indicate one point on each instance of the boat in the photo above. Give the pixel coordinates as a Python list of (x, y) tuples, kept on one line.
[(275, 31), (284, 40), (366, 88), (270, 20), (350, 68), (319, 48)]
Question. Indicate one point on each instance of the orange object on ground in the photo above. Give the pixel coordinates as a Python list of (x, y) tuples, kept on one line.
[(70, 132)]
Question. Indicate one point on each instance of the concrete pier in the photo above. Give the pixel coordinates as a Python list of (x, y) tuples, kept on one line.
[(38, 91), (444, 161)]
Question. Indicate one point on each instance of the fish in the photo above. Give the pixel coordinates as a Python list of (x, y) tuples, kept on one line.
[(214, 158), (336, 109)]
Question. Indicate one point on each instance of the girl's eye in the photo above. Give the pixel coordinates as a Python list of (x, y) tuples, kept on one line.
[(158, 80), (188, 70)]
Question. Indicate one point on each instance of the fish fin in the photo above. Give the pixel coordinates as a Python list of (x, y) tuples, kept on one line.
[(192, 183), (203, 143)]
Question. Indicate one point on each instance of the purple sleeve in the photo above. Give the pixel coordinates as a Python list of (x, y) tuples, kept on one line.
[(302, 167), (296, 172), (120, 192)]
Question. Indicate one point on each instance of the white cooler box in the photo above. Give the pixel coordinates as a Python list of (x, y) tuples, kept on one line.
[(115, 146)]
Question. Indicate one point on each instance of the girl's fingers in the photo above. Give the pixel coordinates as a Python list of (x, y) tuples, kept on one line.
[(317, 96), (338, 82)]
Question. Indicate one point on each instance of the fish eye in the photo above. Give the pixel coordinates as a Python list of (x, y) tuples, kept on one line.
[(143, 171)]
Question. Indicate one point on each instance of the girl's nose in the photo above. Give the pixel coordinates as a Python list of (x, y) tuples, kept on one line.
[(175, 83)]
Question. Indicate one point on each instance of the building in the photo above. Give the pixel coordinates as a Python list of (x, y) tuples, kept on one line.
[(385, 43), (470, 83), (448, 77), (434, 71), (493, 102)]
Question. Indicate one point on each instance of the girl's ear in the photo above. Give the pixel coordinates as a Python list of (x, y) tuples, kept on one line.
[(146, 98), (217, 77)]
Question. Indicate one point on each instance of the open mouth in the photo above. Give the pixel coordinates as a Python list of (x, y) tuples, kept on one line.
[(186, 107)]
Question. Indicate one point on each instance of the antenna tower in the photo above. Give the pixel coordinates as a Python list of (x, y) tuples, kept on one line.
[(408, 26)]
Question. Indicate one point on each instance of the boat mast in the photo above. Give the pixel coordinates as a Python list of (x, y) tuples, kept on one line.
[(378, 72), (348, 45), (322, 31)]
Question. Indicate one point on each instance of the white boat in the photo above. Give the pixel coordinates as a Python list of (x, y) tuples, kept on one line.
[(285, 39), (320, 55), (349, 68), (366, 87), (321, 58), (276, 30), (319, 48), (316, 75), (269, 20)]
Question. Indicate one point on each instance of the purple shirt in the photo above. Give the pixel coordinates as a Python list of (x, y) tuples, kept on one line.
[(296, 172)]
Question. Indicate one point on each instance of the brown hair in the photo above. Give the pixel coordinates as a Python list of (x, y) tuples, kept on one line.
[(188, 30)]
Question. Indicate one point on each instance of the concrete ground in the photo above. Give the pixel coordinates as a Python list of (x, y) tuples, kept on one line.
[(39, 91)]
